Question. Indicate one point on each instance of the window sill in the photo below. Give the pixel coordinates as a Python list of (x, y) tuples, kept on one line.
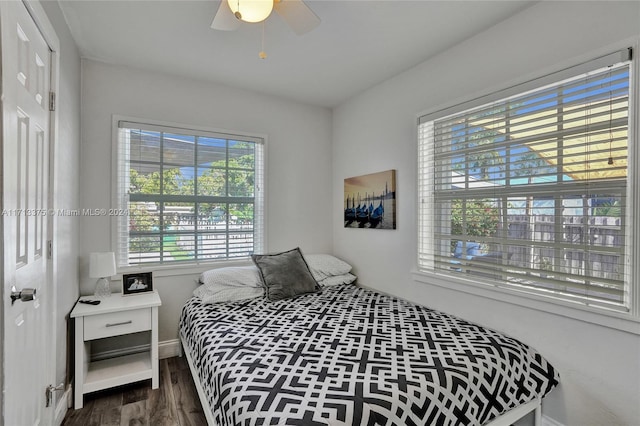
[(179, 269), (616, 320)]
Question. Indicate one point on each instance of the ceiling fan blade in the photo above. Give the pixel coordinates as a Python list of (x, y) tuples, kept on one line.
[(224, 19), (297, 15)]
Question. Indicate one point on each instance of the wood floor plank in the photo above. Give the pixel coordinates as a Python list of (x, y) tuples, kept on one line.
[(161, 403), (134, 414), (188, 406), (178, 363), (106, 406), (138, 404), (135, 392), (111, 398), (111, 416), (79, 417)]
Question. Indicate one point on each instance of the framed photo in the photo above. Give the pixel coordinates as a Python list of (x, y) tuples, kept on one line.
[(370, 201), (137, 283)]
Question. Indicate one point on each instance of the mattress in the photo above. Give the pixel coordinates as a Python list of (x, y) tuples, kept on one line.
[(352, 356)]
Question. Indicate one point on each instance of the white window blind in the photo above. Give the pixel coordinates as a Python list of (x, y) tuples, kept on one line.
[(530, 192), (187, 195)]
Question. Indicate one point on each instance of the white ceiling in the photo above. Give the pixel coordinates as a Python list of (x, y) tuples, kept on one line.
[(358, 44)]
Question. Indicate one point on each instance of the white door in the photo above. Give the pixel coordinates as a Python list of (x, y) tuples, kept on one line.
[(28, 356)]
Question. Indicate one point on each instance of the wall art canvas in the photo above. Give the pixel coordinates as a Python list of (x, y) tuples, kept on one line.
[(370, 201)]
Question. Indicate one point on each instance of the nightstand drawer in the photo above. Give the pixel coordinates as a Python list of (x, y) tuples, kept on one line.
[(116, 323)]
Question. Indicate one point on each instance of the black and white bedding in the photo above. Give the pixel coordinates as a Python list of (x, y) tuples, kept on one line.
[(351, 356)]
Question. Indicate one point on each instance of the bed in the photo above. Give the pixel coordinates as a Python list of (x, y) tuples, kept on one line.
[(347, 355)]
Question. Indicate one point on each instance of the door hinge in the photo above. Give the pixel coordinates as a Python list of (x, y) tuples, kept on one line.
[(49, 249), (52, 101), (49, 393)]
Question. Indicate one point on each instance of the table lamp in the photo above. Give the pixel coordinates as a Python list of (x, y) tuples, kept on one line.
[(101, 266)]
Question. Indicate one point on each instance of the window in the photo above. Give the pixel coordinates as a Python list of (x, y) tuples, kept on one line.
[(531, 191), (187, 195)]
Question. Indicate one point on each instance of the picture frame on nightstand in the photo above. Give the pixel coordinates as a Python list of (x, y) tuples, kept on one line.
[(137, 283)]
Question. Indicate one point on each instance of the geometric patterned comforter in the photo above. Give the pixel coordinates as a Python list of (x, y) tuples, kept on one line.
[(352, 356)]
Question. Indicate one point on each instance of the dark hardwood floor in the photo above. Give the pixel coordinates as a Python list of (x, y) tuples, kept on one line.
[(175, 402)]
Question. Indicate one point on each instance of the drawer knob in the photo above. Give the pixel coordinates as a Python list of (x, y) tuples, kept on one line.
[(119, 323)]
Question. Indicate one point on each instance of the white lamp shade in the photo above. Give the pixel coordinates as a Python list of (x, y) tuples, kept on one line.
[(102, 265), (252, 10)]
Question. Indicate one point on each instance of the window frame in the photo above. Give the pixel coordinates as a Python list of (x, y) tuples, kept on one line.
[(171, 268), (627, 321)]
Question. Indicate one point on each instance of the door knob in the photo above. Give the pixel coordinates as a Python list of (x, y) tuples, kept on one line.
[(25, 295)]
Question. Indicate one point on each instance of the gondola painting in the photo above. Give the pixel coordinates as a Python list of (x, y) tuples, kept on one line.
[(370, 201)]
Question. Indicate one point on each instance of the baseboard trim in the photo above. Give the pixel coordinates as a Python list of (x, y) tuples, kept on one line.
[(548, 421), (62, 406), (169, 348), (166, 349)]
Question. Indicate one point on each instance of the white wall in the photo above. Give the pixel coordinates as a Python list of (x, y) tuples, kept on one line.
[(599, 367), (66, 181), (298, 159)]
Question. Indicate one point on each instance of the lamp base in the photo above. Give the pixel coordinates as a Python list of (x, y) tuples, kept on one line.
[(102, 288)]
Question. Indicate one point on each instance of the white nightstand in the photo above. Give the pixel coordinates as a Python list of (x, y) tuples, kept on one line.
[(114, 316)]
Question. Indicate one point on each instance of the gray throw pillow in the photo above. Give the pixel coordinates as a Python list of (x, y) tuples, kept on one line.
[(285, 274)]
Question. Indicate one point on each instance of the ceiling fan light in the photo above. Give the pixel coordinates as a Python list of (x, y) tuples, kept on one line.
[(251, 10)]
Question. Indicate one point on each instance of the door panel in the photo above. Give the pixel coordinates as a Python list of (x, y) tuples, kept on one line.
[(25, 150)]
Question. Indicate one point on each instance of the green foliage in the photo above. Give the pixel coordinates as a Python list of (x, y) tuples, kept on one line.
[(243, 212), (610, 209), (486, 159), (141, 220), (170, 246), (479, 218), (232, 178), (173, 182), (212, 182), (240, 178)]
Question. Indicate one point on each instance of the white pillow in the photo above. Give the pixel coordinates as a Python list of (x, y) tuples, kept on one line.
[(234, 276), (230, 284), (212, 293), (337, 279), (324, 266)]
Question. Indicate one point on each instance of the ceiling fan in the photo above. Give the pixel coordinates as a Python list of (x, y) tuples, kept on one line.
[(231, 13)]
